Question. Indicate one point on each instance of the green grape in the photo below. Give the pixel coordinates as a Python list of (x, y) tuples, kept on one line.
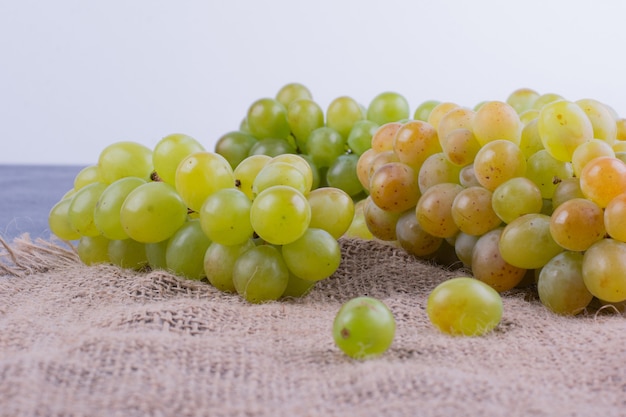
[(332, 209), (604, 270), (464, 306), (464, 248), (388, 107), (81, 209), (297, 287), (516, 197), (544, 99), (528, 116), (614, 215), (498, 161), (394, 187), (602, 179), (325, 145), (561, 286), (304, 116), (200, 175), (246, 172), (316, 179), (414, 142), (383, 138), (360, 136), (601, 118), (280, 214), (302, 162), (235, 146), (587, 151), (106, 213), (434, 210), (219, 262), (86, 176), (467, 177), (342, 113), (457, 118), (168, 153), (563, 126), (460, 147), (59, 222), (423, 110), (530, 141), (496, 120), (566, 189), (381, 223), (472, 211), (527, 243), (437, 169), (281, 173), (342, 174), (522, 99), (152, 212), (488, 265), (93, 250), (364, 167), (577, 224), (267, 118), (185, 251), (291, 92), (125, 159), (272, 147), (546, 171), (358, 227), (314, 256), (440, 110), (225, 217), (413, 239), (363, 328), (128, 253), (260, 274), (155, 254)]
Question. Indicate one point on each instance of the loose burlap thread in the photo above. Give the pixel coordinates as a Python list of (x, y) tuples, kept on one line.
[(102, 341)]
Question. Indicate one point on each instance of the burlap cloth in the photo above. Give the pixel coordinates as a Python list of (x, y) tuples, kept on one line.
[(101, 341)]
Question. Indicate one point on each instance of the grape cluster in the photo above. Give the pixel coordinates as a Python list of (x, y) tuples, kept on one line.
[(527, 190)]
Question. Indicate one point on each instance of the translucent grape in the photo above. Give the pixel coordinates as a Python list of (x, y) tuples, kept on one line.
[(304, 116), (604, 270), (496, 120), (185, 251), (388, 107), (546, 172), (437, 169), (225, 217), (488, 265), (234, 146), (394, 187), (128, 253), (360, 137), (498, 161), (577, 224), (380, 159), (155, 253), (566, 189), (464, 247), (457, 118), (168, 153), (423, 110), (106, 213), (587, 151), (314, 256), (383, 138), (413, 238), (614, 215), (440, 110), (460, 147), (260, 274), (415, 141), (342, 174), (602, 179), (544, 99), (219, 262), (291, 92), (93, 250), (301, 163), (342, 113), (602, 121), (364, 327), (563, 126), (272, 147), (81, 209), (530, 141), (246, 172), (364, 167), (620, 134), (267, 118), (125, 159), (464, 306), (325, 145), (516, 197), (381, 223), (86, 176), (467, 177), (59, 222), (332, 209), (297, 287), (522, 99), (472, 211), (281, 173), (561, 286), (434, 210)]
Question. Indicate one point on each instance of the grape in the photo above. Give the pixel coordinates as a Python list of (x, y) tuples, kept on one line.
[(380, 159), (292, 92), (528, 116), (246, 172), (360, 137), (530, 141), (604, 270), (457, 118), (155, 254), (297, 287), (440, 110), (225, 217), (546, 171), (566, 189), (516, 197), (464, 247), (472, 211), (561, 286), (467, 177), (602, 121), (412, 237), (301, 162), (364, 167), (620, 134), (358, 227), (577, 224), (106, 213), (614, 215), (464, 306), (93, 250), (304, 116), (81, 209), (59, 222), (602, 179), (185, 251), (280, 214), (168, 153), (460, 147), (496, 120), (325, 145), (272, 147), (200, 175), (434, 210), (86, 176), (381, 223), (219, 262), (587, 151), (342, 113), (332, 210), (267, 118), (498, 161), (563, 126), (388, 107), (383, 138), (152, 212), (342, 174), (415, 141), (128, 253), (314, 256), (394, 187), (364, 327), (488, 265), (235, 146), (260, 274), (437, 169), (423, 110), (522, 99), (526, 242), (281, 173), (125, 159), (544, 99)]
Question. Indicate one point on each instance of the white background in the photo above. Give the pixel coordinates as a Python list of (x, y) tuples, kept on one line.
[(77, 75)]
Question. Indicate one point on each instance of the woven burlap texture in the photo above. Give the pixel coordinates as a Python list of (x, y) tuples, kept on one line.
[(102, 341)]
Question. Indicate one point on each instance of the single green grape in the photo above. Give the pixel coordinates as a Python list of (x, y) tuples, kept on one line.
[(516, 197), (342, 174), (381, 223), (464, 248), (128, 253), (267, 118), (304, 116), (530, 141), (325, 145), (168, 153), (522, 99), (272, 147), (360, 136), (225, 217), (219, 262), (589, 150), (81, 209), (316, 255), (86, 176), (464, 306), (546, 171), (437, 169), (563, 126), (302, 163), (93, 250), (106, 214), (561, 286), (185, 251), (342, 113), (358, 228), (246, 172), (422, 112), (281, 173), (291, 92), (363, 328), (496, 120), (388, 107), (235, 146), (155, 254), (260, 274), (332, 209), (59, 222), (297, 287), (604, 270), (601, 118), (125, 159), (413, 238), (472, 211)]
